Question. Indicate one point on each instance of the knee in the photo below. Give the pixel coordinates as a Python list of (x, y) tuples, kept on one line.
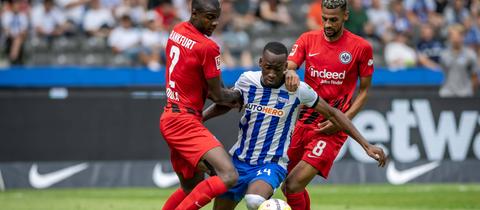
[(229, 177), (253, 201), (292, 186)]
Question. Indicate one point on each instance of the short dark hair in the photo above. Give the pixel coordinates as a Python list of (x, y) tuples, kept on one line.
[(201, 5), (333, 4), (276, 48)]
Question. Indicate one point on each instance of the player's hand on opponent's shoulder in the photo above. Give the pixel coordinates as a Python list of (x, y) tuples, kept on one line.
[(377, 154), (292, 80)]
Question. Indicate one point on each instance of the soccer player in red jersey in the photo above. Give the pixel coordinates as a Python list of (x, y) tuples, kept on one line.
[(334, 60), (193, 74)]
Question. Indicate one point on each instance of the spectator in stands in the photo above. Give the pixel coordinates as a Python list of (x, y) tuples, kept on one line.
[(274, 12), (429, 48), (98, 21), (48, 20), (235, 42), (153, 41), (398, 54), (456, 12), (399, 17), (125, 39), (183, 9), (74, 11), (472, 33), (167, 15), (380, 18), (314, 16), (376, 42), (14, 27), (421, 11), (111, 4), (357, 18), (459, 65), (135, 9)]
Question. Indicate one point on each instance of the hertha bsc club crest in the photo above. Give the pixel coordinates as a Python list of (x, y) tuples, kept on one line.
[(345, 57)]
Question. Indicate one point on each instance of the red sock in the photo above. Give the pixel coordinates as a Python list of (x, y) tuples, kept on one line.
[(296, 200), (307, 199), (174, 199), (203, 193)]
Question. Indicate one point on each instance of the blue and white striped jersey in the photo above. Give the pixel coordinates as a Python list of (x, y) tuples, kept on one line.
[(268, 119)]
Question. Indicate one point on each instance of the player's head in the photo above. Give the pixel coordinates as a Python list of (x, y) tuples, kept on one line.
[(334, 14), (273, 63), (205, 14)]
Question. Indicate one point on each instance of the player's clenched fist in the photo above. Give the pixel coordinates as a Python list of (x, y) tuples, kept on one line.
[(377, 154)]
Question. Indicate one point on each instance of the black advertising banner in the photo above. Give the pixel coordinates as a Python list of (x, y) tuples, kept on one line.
[(433, 139)]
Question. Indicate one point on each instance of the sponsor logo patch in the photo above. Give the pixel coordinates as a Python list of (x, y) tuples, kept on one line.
[(264, 110), (218, 61), (345, 57), (370, 62)]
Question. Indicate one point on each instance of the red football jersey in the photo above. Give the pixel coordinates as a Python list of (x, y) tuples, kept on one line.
[(332, 69), (192, 59)]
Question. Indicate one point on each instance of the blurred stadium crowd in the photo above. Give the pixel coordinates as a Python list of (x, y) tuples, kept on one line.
[(403, 33)]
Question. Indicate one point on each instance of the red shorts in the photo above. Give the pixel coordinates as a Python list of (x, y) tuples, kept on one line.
[(188, 140), (318, 150)]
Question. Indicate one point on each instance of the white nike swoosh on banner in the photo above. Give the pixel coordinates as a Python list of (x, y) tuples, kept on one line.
[(2, 183), (312, 54), (41, 181), (164, 180), (397, 177)]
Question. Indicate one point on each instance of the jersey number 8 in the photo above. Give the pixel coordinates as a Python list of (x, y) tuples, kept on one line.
[(318, 149)]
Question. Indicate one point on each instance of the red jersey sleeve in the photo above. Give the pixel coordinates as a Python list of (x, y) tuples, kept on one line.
[(366, 61), (297, 54), (211, 61)]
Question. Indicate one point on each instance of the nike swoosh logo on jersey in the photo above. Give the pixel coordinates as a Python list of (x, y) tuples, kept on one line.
[(397, 177), (312, 54), (162, 179), (41, 181), (311, 156)]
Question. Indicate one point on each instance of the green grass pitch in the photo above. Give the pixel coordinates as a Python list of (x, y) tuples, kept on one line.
[(328, 197)]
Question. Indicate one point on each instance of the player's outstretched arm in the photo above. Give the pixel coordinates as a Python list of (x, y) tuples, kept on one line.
[(214, 110), (220, 95), (342, 121)]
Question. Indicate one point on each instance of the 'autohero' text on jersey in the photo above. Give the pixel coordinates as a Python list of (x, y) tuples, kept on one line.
[(264, 109)]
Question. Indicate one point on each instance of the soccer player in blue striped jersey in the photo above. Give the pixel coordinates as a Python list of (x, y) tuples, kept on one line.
[(269, 116)]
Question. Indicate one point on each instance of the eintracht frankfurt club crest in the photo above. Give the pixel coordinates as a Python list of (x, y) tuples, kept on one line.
[(345, 57)]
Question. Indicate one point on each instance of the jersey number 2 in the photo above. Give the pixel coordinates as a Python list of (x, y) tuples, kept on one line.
[(174, 55)]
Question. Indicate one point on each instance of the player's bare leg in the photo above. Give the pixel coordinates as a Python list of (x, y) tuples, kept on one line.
[(219, 159), (257, 192), (213, 186), (224, 204), (294, 186)]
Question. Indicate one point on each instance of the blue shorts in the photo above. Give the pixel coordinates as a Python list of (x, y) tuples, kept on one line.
[(271, 173)]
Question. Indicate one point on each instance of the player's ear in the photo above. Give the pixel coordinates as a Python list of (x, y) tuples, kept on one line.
[(194, 14), (260, 60), (346, 14)]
